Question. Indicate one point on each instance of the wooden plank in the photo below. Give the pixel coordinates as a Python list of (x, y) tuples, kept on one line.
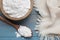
[(7, 32)]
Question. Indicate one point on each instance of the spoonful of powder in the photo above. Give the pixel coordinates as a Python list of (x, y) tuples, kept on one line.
[(22, 30)]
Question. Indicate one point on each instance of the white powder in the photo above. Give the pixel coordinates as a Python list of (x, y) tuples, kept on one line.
[(16, 8), (17, 34), (24, 31)]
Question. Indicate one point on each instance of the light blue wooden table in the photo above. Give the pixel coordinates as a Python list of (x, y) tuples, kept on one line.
[(7, 32)]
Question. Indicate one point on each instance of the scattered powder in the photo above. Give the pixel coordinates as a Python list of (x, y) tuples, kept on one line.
[(24, 31), (17, 34), (16, 8)]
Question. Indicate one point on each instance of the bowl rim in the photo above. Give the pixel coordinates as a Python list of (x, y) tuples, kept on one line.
[(12, 18)]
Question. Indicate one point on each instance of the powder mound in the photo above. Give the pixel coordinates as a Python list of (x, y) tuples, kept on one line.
[(16, 8), (25, 31)]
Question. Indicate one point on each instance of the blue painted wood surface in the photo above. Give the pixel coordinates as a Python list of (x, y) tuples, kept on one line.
[(7, 32)]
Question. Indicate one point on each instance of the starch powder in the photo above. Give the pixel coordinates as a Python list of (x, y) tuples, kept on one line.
[(24, 31), (16, 8)]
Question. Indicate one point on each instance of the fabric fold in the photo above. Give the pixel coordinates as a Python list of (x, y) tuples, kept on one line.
[(50, 20)]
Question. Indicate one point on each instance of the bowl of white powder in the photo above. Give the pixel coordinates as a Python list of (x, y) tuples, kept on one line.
[(16, 9)]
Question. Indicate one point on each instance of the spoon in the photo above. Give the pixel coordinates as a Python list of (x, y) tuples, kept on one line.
[(22, 30)]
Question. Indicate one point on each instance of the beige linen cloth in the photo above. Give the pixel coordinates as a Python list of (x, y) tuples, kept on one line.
[(50, 20)]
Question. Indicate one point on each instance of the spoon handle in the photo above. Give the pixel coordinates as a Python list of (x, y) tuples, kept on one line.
[(8, 22), (0, 4)]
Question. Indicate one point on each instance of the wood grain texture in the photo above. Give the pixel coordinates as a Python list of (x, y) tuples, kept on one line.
[(7, 32)]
